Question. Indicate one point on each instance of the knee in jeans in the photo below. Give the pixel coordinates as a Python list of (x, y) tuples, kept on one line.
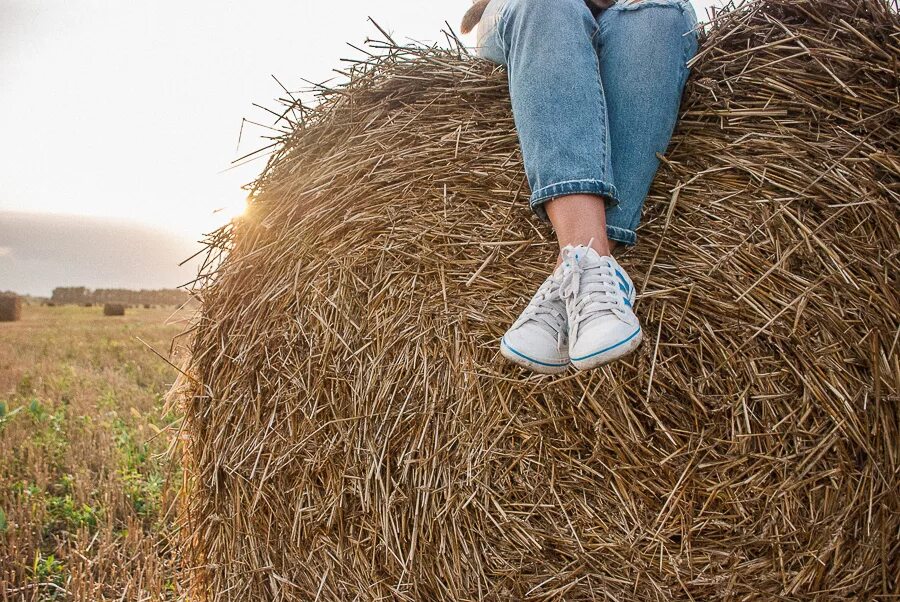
[(548, 10), (664, 15)]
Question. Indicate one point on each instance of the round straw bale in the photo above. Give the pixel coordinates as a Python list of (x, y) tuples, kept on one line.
[(113, 309), (10, 308), (353, 434)]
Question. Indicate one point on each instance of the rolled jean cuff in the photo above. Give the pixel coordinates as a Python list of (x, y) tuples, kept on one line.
[(621, 235), (598, 187)]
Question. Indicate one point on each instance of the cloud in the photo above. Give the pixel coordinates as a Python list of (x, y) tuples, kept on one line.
[(40, 252)]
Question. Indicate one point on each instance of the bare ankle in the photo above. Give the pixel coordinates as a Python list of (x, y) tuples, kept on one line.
[(579, 219), (601, 246)]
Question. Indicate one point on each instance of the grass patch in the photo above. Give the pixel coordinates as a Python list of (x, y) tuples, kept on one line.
[(83, 493)]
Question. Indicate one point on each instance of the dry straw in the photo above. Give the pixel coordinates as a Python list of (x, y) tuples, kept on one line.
[(351, 433), (113, 309), (10, 308)]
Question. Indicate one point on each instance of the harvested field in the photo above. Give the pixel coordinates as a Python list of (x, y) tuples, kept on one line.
[(352, 434), (86, 499)]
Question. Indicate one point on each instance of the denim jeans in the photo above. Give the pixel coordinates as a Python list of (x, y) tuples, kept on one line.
[(594, 98)]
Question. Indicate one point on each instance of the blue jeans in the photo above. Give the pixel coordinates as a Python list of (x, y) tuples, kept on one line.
[(593, 98)]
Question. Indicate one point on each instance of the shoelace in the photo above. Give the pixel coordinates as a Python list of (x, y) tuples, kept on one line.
[(589, 292), (542, 310)]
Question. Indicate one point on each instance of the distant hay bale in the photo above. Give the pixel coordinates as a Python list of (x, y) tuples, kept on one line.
[(10, 308), (113, 309), (351, 432), (146, 306)]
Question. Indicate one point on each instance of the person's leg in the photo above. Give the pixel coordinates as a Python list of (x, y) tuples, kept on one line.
[(548, 47), (557, 98), (643, 47), (579, 219), (560, 109)]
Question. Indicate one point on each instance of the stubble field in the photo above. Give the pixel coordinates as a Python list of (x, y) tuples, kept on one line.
[(86, 498)]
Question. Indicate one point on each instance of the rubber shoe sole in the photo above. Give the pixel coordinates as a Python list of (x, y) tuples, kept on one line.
[(535, 365), (610, 353)]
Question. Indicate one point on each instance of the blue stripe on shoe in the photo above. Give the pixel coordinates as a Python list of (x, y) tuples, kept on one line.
[(624, 282), (530, 359), (622, 342)]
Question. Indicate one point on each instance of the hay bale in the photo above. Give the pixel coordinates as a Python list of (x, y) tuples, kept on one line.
[(10, 308), (353, 434), (113, 309)]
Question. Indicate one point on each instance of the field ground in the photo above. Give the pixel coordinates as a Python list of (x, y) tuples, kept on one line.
[(85, 496)]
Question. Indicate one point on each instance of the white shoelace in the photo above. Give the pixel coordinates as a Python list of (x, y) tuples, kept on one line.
[(544, 311), (590, 291)]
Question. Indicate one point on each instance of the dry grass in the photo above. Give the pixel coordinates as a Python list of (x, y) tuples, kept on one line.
[(353, 435), (83, 494)]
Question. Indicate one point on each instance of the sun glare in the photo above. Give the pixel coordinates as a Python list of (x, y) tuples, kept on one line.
[(232, 210)]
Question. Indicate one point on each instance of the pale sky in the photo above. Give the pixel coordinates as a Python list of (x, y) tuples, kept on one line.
[(131, 109)]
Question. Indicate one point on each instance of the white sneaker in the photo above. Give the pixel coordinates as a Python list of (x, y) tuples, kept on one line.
[(599, 296), (538, 339)]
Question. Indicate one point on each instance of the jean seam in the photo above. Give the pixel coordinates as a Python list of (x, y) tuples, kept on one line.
[(622, 235), (595, 42), (690, 38), (595, 45), (605, 155), (598, 187), (502, 22), (576, 181), (595, 34), (601, 29)]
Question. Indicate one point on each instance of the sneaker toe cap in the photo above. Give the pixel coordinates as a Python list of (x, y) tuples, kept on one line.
[(602, 337), (534, 345)]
